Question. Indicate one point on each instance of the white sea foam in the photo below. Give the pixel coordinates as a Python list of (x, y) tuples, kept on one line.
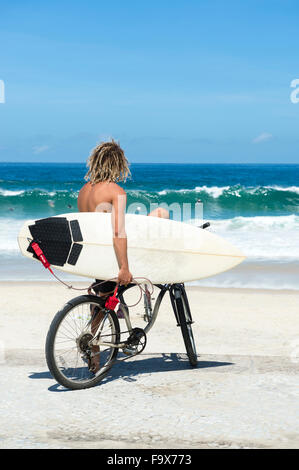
[(9, 229), (292, 189), (213, 191), (8, 192), (264, 238), (216, 191), (258, 223)]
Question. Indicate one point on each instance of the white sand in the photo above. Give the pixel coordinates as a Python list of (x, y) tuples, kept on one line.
[(244, 392)]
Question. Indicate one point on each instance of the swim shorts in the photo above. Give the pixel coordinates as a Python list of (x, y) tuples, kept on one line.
[(108, 287)]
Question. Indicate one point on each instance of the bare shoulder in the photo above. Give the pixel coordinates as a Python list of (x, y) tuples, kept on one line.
[(82, 200), (85, 188), (116, 189), (84, 191)]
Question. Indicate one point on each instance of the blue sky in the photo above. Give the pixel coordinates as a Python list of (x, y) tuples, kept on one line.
[(173, 81)]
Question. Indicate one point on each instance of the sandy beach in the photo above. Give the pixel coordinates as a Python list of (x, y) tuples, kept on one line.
[(243, 394)]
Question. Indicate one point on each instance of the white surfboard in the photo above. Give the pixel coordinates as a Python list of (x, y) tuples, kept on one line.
[(162, 250)]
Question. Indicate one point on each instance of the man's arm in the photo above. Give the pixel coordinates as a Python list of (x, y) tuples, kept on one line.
[(119, 201)]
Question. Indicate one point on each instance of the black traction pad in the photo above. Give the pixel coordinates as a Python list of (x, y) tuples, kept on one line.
[(53, 235), (76, 232), (74, 254)]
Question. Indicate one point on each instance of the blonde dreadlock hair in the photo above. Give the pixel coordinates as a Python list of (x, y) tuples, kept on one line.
[(107, 162)]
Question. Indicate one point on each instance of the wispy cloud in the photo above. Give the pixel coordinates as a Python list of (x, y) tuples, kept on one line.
[(40, 149), (264, 137)]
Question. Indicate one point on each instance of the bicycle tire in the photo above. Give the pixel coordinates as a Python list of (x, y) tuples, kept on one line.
[(50, 341), (185, 324)]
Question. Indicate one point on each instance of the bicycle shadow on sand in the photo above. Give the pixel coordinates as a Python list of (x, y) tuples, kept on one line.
[(130, 370), (164, 362)]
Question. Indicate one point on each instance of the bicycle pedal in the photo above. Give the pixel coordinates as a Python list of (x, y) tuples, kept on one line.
[(129, 351)]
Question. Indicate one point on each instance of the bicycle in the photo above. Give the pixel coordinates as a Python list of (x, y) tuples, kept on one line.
[(107, 333), (72, 337)]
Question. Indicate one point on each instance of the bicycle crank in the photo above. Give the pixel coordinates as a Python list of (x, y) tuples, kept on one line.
[(135, 343)]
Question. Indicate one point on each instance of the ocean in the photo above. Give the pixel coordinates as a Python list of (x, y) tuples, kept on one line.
[(256, 207)]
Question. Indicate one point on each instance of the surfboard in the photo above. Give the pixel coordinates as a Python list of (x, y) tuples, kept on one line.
[(162, 250)]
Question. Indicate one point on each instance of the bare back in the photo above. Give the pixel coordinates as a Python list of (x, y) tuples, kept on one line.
[(109, 197), (98, 197)]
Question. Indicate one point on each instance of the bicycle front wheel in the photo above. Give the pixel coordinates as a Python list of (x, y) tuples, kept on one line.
[(68, 349)]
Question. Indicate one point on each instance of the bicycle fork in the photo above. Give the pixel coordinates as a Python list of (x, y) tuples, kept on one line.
[(177, 296)]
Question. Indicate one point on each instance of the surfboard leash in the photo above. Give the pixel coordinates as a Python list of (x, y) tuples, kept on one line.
[(112, 301)]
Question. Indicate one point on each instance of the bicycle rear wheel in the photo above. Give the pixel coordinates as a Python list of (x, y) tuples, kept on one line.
[(185, 321), (68, 350)]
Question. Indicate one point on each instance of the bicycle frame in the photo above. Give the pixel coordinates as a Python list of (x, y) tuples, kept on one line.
[(176, 291), (108, 336)]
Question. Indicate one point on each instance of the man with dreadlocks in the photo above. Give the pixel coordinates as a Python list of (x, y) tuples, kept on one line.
[(107, 166)]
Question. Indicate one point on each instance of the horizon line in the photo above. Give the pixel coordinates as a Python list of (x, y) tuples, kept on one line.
[(158, 163)]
